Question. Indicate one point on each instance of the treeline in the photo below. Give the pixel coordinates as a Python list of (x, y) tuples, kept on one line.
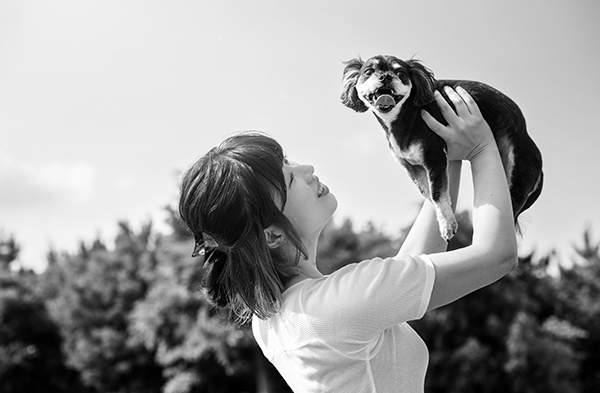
[(131, 318)]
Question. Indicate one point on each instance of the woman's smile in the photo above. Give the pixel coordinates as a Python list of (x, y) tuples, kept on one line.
[(310, 204), (323, 189)]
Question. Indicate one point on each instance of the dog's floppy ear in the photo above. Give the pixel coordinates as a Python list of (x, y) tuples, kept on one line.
[(349, 95), (423, 82)]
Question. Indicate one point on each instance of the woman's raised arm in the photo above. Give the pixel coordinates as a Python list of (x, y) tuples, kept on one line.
[(493, 252)]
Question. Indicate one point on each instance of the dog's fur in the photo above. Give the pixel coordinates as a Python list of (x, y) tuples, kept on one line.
[(396, 91)]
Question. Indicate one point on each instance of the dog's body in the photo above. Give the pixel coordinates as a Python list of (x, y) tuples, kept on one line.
[(396, 91)]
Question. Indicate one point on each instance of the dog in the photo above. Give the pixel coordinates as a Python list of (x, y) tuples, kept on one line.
[(396, 91)]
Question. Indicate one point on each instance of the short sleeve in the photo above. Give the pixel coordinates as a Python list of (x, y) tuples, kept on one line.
[(361, 300)]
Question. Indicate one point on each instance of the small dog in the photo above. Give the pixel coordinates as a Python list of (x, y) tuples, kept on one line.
[(396, 91)]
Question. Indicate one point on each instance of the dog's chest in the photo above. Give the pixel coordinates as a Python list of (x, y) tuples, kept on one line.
[(413, 153)]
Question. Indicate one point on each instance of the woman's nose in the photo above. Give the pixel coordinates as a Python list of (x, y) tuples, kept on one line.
[(308, 170)]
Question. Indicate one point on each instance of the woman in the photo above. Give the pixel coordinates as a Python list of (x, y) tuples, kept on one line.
[(257, 216)]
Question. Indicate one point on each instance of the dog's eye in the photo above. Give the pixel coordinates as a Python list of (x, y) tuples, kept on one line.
[(400, 72), (368, 72)]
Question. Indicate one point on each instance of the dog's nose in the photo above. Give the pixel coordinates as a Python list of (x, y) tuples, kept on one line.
[(385, 76)]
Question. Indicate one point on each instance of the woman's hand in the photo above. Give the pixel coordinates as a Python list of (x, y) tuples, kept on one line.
[(467, 132)]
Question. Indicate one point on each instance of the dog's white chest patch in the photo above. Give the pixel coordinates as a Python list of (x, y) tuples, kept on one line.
[(389, 118), (413, 154)]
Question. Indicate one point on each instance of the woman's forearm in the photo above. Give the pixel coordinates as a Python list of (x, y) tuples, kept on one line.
[(493, 225)]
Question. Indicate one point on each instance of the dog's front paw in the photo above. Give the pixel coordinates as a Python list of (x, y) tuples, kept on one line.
[(448, 227)]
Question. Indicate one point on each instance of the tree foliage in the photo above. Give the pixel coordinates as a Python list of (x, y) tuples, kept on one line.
[(9, 250), (130, 317), (31, 359), (91, 295), (197, 350)]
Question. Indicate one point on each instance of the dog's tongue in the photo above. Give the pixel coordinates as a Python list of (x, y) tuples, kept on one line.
[(385, 101)]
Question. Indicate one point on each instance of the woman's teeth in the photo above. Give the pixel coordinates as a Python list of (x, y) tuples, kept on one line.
[(322, 189)]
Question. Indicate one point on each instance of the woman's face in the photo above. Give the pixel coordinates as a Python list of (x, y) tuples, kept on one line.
[(309, 204)]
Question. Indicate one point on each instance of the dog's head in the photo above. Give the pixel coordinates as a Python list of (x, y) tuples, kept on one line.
[(385, 83)]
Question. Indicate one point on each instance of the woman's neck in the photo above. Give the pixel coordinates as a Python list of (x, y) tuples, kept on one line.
[(307, 268), (306, 271)]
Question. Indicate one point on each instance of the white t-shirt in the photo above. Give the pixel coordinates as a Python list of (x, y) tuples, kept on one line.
[(347, 332)]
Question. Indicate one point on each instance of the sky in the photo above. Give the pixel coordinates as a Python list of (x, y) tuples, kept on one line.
[(104, 103)]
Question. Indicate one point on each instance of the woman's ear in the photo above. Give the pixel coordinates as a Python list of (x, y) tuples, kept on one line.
[(274, 236)]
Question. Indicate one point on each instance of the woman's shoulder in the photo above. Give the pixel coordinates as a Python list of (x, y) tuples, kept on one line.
[(367, 275), (400, 265)]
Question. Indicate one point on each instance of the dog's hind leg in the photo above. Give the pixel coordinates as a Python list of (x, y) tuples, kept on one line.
[(523, 200), (433, 185), (526, 182), (418, 175), (440, 197), (535, 193)]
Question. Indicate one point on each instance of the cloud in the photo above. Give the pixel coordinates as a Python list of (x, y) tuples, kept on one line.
[(26, 184)]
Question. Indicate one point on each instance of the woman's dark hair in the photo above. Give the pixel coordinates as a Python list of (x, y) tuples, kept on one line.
[(230, 196)]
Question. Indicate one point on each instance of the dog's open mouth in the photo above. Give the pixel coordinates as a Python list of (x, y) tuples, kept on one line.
[(384, 100)]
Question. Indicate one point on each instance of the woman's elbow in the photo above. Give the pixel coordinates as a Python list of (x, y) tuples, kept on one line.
[(507, 258), (501, 255), (511, 263)]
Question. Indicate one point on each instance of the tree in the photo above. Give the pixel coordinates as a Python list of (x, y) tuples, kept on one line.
[(543, 357), (510, 336), (341, 245), (30, 344), (196, 349), (578, 301), (93, 293), (9, 251), (132, 319)]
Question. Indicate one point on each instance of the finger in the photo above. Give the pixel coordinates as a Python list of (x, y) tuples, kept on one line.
[(446, 109), (469, 101), (433, 124), (459, 103)]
